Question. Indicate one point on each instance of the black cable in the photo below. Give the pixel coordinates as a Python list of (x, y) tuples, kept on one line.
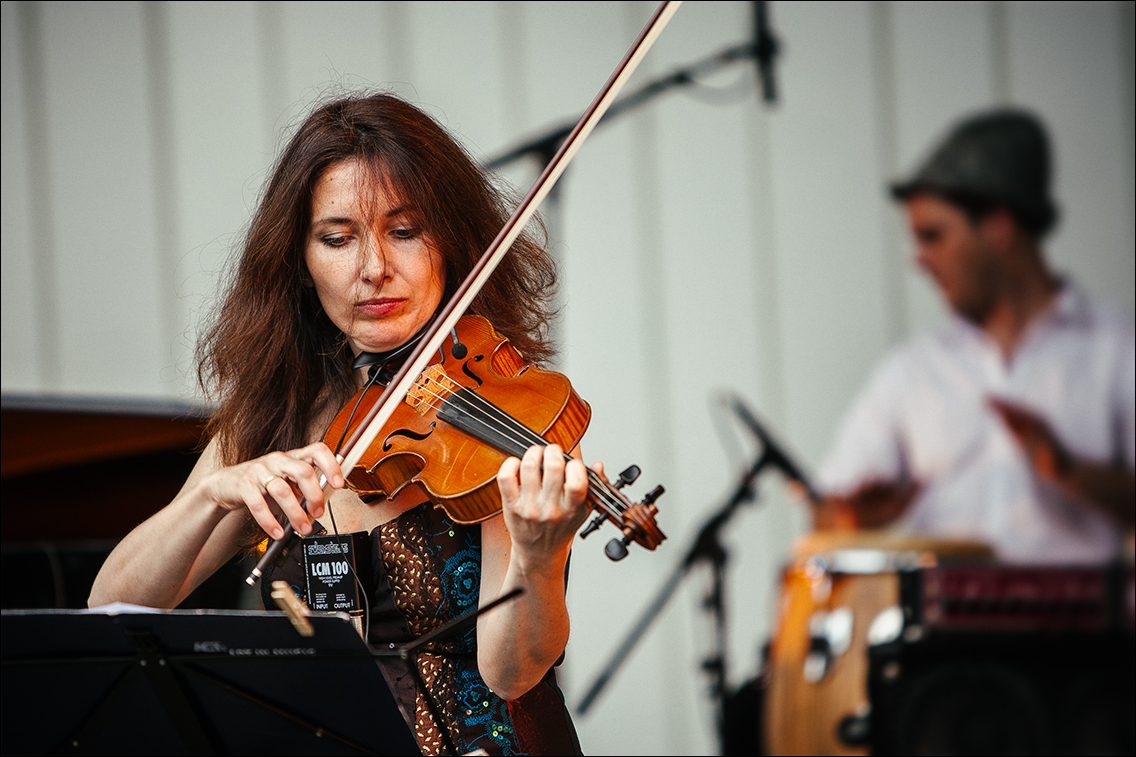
[(373, 376), (358, 581)]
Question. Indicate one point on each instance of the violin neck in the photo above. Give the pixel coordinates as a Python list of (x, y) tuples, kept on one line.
[(470, 412), (480, 418)]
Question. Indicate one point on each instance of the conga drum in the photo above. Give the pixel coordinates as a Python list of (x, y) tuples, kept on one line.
[(838, 586)]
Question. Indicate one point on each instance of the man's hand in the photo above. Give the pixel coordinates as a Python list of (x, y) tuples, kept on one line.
[(873, 504), (1045, 452), (1112, 488)]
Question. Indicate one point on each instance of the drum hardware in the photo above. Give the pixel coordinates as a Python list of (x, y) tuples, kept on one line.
[(855, 730), (890, 670), (820, 588), (830, 631), (830, 635), (886, 627)]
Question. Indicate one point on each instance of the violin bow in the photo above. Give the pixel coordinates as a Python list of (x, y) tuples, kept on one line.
[(379, 413)]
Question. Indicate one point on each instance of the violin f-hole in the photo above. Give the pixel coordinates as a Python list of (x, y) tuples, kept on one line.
[(407, 433), (471, 374)]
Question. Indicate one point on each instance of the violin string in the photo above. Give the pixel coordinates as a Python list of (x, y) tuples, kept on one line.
[(495, 419), (512, 429), (600, 487), (507, 426), (503, 423), (533, 438)]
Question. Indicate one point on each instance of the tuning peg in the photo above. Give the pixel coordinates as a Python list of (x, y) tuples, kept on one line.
[(594, 525), (654, 494), (616, 549), (627, 477)]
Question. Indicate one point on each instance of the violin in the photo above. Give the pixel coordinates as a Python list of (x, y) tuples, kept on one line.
[(477, 404), (635, 520)]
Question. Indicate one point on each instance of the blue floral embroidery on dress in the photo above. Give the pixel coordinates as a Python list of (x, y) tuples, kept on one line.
[(461, 574), (461, 581), (479, 709)]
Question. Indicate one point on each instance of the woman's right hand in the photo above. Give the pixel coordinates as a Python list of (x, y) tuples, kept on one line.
[(275, 483)]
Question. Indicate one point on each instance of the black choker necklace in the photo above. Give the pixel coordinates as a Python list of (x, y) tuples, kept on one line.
[(386, 364)]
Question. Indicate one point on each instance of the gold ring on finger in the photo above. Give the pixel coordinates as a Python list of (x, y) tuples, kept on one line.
[(268, 480)]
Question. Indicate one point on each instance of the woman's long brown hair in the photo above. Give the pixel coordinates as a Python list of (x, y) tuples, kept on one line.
[(272, 360)]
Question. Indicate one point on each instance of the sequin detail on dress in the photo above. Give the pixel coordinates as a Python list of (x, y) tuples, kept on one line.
[(433, 567)]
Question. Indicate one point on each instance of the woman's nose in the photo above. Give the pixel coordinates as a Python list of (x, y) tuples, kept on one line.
[(374, 263)]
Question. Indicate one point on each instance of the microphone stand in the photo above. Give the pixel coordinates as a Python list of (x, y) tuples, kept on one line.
[(706, 548), (763, 49)]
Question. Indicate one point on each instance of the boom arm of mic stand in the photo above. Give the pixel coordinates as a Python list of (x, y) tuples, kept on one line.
[(549, 142), (705, 546), (449, 628)]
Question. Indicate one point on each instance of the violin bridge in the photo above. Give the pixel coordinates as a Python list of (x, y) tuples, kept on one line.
[(430, 388)]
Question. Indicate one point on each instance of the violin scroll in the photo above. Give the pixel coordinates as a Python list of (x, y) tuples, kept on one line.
[(637, 520)]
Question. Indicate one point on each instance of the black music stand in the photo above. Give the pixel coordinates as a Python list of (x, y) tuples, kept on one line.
[(193, 682)]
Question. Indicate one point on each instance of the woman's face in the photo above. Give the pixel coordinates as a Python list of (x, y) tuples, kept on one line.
[(376, 272)]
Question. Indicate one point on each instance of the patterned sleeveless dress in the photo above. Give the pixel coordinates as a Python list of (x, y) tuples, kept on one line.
[(427, 571)]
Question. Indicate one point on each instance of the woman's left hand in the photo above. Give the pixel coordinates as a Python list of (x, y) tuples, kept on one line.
[(544, 503)]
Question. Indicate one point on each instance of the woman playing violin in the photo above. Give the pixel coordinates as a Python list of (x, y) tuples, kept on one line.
[(371, 218)]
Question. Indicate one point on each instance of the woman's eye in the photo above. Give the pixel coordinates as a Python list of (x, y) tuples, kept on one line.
[(404, 233), (335, 241)]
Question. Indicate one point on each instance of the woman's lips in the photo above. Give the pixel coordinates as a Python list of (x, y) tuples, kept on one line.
[(381, 306)]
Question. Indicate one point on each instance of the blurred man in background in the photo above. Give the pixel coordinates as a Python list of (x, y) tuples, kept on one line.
[(1012, 424)]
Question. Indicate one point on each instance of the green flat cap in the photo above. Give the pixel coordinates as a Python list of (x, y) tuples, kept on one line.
[(1001, 156)]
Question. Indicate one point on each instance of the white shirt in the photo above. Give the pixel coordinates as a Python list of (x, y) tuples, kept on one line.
[(923, 417)]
